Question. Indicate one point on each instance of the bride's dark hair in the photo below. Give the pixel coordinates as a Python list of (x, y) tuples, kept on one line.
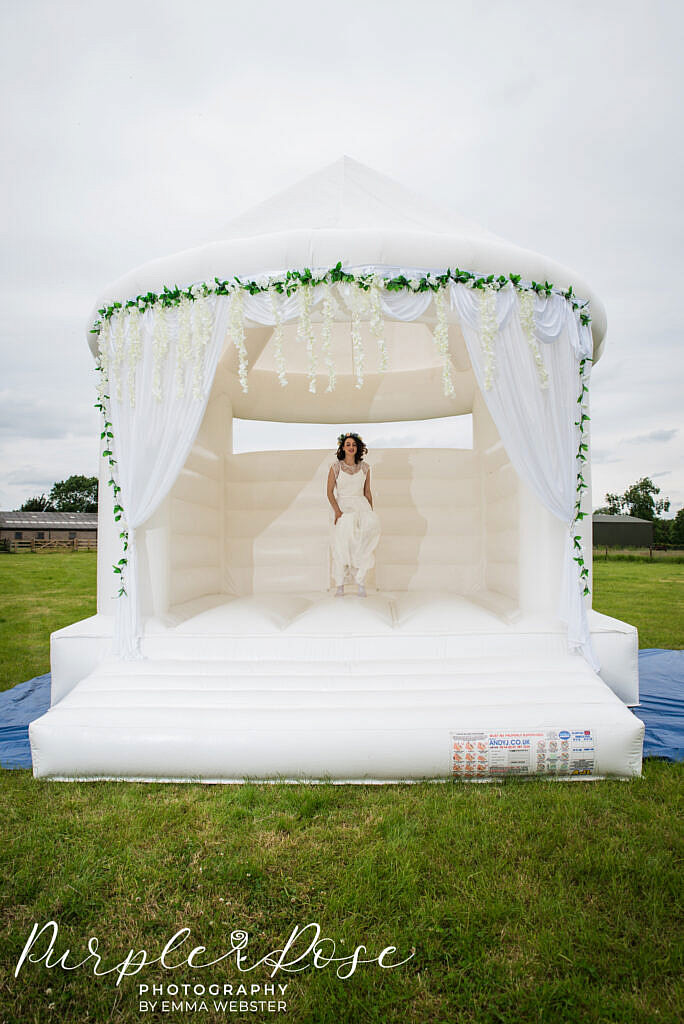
[(361, 449)]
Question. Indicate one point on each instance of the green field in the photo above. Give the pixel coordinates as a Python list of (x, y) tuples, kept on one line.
[(648, 594), (523, 901), (40, 593)]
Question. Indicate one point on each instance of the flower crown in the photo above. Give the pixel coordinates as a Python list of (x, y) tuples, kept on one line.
[(343, 437)]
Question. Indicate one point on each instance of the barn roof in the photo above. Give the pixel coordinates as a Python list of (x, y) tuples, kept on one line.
[(48, 520), (602, 517)]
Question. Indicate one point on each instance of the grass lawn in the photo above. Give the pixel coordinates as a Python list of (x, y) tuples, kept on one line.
[(40, 593), (648, 594), (525, 901)]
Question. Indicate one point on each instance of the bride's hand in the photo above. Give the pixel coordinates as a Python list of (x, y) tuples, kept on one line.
[(337, 516)]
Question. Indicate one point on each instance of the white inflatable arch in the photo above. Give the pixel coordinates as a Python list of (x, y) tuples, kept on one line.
[(217, 652)]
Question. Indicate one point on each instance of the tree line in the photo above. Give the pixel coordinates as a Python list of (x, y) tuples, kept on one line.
[(75, 494), (641, 501)]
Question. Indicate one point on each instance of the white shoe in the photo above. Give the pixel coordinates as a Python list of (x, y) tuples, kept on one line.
[(362, 590), (339, 592)]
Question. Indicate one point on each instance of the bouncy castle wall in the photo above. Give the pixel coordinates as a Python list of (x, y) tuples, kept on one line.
[(196, 513), (180, 547), (500, 507), (277, 521), (452, 519)]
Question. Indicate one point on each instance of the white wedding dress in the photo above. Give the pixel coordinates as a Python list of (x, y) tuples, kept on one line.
[(355, 536)]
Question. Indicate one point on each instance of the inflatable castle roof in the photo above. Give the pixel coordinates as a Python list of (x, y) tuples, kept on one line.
[(348, 212)]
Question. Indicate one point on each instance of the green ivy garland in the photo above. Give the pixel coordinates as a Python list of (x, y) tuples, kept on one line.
[(581, 458), (107, 436), (288, 285), (295, 279)]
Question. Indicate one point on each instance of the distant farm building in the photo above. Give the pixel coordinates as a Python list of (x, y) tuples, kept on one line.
[(21, 531), (622, 531)]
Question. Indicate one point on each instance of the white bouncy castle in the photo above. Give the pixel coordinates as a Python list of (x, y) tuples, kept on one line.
[(218, 652)]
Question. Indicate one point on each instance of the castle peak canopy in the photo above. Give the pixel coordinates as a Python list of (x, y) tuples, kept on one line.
[(348, 195), (348, 212)]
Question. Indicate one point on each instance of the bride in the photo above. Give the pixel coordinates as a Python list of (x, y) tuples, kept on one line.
[(355, 532)]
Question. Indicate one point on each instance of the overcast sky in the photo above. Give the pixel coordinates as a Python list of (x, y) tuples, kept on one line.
[(133, 130)]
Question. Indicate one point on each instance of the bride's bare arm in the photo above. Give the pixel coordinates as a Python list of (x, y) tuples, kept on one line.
[(331, 495), (367, 490)]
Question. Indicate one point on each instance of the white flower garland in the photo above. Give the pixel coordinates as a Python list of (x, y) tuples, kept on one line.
[(278, 338), (527, 300), (305, 332), (237, 332), (118, 351), (377, 324), (120, 327), (184, 343), (160, 345), (357, 302), (134, 350), (441, 336), (104, 341), (329, 309), (203, 323), (488, 331)]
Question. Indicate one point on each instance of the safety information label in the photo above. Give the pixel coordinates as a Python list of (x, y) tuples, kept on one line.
[(533, 752)]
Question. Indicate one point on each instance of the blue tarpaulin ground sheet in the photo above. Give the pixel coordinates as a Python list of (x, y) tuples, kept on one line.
[(661, 690), (661, 707), (18, 707)]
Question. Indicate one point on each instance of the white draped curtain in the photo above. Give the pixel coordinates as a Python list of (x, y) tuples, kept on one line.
[(525, 350), (159, 379), (536, 414)]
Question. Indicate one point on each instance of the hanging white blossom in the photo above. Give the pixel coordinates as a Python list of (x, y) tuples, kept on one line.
[(357, 303), (377, 324), (488, 331), (104, 341), (237, 333), (329, 309), (278, 337), (188, 318), (527, 301), (184, 343), (134, 350), (203, 323), (118, 351), (160, 345), (441, 336), (305, 332)]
